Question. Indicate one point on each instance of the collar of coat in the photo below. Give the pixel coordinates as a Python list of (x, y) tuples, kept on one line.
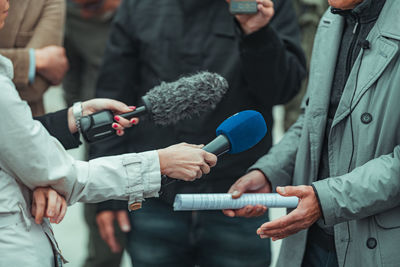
[(365, 12), (388, 22)]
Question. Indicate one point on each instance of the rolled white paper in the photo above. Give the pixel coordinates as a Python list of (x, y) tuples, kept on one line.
[(225, 201)]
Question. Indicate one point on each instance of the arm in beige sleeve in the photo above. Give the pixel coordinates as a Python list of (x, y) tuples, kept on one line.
[(49, 30)]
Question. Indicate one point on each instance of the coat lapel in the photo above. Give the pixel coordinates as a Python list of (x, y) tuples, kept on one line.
[(373, 61), (13, 23), (325, 51)]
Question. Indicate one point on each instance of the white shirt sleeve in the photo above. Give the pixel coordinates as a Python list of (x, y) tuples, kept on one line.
[(32, 156)]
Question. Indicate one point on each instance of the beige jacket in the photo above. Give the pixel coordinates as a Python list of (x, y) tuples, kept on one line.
[(31, 24)]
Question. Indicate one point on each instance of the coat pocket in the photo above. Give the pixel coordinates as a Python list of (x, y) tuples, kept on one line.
[(23, 39), (389, 219)]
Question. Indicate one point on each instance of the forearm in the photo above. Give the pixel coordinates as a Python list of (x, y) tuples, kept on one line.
[(273, 62), (368, 190)]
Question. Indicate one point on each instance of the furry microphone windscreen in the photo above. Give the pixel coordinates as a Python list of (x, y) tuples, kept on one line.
[(186, 97)]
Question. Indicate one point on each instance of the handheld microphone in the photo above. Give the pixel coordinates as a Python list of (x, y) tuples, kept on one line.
[(165, 104), (238, 133)]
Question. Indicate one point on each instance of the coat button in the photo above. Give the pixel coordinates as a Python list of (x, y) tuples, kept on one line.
[(366, 118), (371, 243)]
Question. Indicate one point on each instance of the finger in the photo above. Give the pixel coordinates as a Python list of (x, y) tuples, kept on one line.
[(40, 201), (120, 132), (117, 126), (117, 106), (258, 210), (267, 12), (245, 211), (229, 213), (123, 221), (282, 222), (134, 121), (110, 239), (57, 210), (122, 122), (205, 169), (211, 159), (51, 203), (192, 145), (265, 3), (63, 211), (284, 232), (298, 191), (198, 174), (240, 187), (106, 229)]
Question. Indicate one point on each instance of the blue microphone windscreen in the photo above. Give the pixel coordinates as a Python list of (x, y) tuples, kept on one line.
[(243, 130)]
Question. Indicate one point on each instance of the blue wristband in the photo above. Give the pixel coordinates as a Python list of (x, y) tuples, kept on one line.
[(32, 66)]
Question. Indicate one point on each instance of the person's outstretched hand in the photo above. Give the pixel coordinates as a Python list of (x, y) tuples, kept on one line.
[(307, 212), (47, 203), (185, 162), (253, 182)]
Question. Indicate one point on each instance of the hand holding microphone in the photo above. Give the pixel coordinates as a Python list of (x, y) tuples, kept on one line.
[(165, 104)]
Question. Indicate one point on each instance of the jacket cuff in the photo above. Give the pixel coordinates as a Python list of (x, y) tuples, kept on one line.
[(264, 38), (148, 166), (324, 198), (56, 124), (111, 205), (319, 201)]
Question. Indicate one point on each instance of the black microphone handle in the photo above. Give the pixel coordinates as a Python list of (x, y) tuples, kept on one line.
[(136, 113), (219, 146)]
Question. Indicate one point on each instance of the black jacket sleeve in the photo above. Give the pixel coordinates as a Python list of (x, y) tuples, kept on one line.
[(57, 125), (272, 58), (120, 58)]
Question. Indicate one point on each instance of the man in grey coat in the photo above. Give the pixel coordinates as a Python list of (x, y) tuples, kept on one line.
[(342, 156)]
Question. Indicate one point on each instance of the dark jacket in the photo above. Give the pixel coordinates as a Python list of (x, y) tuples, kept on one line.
[(151, 44)]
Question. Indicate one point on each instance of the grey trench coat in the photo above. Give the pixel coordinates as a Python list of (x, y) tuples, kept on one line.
[(363, 204)]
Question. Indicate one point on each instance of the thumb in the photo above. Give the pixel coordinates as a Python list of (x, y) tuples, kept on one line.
[(239, 188), (290, 191), (123, 221), (117, 106)]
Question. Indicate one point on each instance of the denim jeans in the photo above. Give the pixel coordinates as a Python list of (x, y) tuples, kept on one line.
[(162, 237)]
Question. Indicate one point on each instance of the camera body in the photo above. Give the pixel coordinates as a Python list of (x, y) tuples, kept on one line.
[(243, 7)]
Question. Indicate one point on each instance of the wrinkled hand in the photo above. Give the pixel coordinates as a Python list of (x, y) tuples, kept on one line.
[(51, 63), (306, 213), (253, 182), (253, 22), (49, 204), (185, 162), (105, 222), (99, 104)]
